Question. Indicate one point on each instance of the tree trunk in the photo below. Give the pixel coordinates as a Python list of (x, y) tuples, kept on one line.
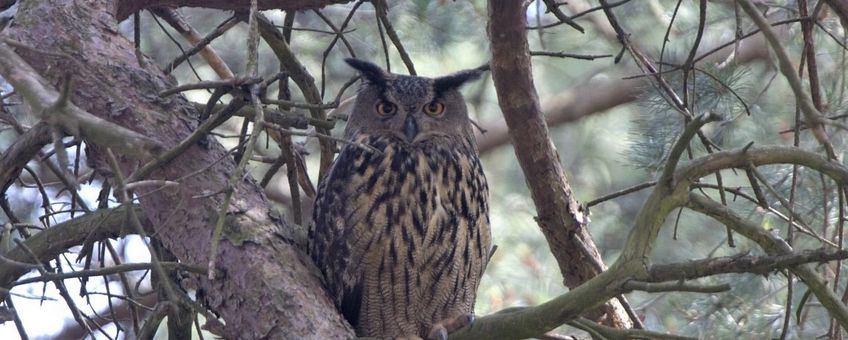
[(269, 288)]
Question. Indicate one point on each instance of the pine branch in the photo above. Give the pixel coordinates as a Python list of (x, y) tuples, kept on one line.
[(773, 245)]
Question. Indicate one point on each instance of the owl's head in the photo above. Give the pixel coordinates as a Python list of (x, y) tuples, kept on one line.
[(414, 109)]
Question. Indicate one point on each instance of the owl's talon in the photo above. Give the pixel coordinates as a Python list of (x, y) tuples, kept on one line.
[(442, 328), (438, 333), (458, 322), (467, 320)]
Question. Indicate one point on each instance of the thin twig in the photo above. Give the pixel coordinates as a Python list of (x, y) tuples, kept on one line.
[(252, 68), (303, 80), (553, 8), (321, 136), (679, 286), (620, 193), (218, 118), (382, 8), (331, 105), (220, 30), (211, 84), (667, 33), (773, 245), (682, 142), (570, 55), (578, 15), (123, 268), (687, 66), (802, 96), (338, 36), (17, 318), (794, 216), (314, 30), (135, 221)]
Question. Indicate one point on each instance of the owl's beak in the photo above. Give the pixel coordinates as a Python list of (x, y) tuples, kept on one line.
[(410, 128)]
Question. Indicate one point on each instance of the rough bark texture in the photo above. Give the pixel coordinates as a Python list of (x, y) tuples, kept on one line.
[(559, 216), (269, 289)]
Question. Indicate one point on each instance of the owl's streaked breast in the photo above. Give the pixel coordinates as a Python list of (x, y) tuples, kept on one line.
[(402, 235)]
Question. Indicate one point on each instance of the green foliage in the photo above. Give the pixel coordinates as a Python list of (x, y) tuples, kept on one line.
[(722, 91)]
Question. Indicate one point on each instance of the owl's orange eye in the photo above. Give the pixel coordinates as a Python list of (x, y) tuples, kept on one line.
[(386, 108), (434, 109)]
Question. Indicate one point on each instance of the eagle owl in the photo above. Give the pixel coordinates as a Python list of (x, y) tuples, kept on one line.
[(401, 232)]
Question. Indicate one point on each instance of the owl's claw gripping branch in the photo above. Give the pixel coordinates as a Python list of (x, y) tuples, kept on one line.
[(442, 328)]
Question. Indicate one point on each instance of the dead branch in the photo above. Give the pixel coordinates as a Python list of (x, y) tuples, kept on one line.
[(200, 44)]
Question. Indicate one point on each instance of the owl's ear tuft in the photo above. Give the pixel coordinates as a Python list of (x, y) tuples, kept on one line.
[(454, 81), (370, 71)]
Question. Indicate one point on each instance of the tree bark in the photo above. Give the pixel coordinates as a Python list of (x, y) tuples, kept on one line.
[(559, 214), (269, 288)]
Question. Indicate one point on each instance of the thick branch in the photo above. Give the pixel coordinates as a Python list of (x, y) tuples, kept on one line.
[(49, 243), (525, 322), (528, 322), (559, 215), (633, 264), (741, 263), (22, 151), (668, 197), (763, 155), (775, 246), (841, 9)]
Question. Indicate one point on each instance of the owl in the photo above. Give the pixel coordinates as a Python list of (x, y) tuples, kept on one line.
[(400, 230)]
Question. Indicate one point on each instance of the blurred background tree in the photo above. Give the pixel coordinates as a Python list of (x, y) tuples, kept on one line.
[(615, 104)]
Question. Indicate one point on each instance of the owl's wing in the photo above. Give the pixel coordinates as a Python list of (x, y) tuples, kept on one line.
[(332, 229)]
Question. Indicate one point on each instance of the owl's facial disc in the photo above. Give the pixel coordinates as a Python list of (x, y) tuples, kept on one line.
[(412, 110), (410, 128)]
